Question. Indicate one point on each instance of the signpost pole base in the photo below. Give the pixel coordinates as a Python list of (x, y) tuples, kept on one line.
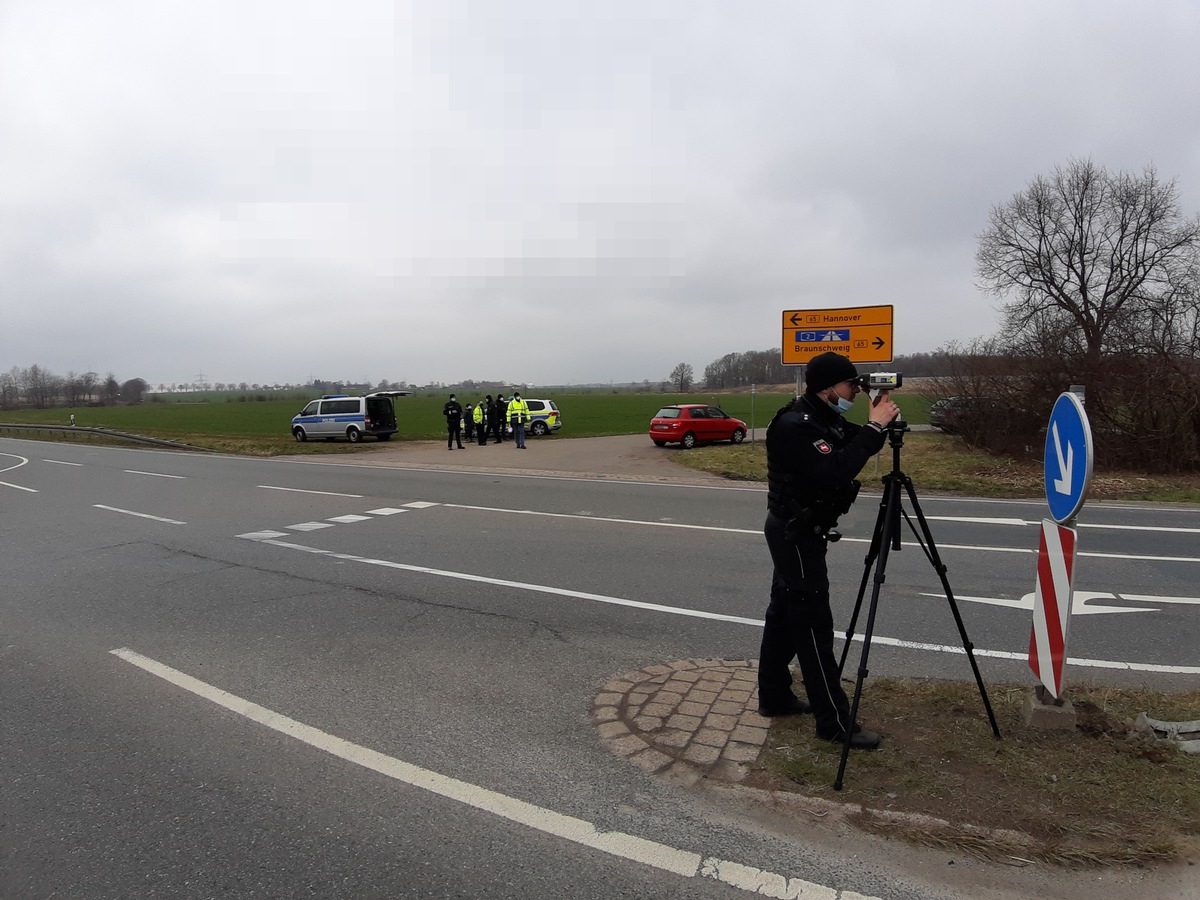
[(1042, 711)]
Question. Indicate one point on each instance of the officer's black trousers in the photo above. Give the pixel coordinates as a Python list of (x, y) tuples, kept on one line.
[(455, 429), (799, 624)]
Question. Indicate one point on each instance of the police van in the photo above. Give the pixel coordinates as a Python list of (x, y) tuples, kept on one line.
[(340, 415)]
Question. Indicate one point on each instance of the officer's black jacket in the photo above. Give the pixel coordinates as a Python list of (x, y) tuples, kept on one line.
[(452, 411), (812, 452)]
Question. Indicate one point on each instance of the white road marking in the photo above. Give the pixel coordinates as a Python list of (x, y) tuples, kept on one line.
[(758, 531), (21, 461), (685, 863), (500, 582), (386, 511), (980, 520), (309, 526), (59, 462), (984, 520), (130, 512), (262, 535), (19, 487), (532, 512), (271, 538), (348, 520), (155, 474), (271, 487), (1081, 604)]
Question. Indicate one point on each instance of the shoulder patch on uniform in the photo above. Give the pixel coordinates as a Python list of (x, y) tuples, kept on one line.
[(823, 446)]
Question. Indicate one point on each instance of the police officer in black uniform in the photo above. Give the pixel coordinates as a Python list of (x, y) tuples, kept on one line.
[(813, 456), (453, 412)]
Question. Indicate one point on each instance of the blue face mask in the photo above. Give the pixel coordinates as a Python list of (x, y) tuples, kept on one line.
[(842, 406)]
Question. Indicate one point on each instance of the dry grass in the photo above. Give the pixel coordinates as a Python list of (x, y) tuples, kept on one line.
[(1100, 794), (939, 463)]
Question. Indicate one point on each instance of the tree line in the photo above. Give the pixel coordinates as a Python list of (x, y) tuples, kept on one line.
[(40, 388)]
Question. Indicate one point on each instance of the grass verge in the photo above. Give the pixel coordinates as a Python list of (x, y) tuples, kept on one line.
[(1100, 794), (940, 463)]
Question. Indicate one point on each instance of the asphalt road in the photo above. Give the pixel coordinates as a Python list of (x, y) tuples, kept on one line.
[(369, 675)]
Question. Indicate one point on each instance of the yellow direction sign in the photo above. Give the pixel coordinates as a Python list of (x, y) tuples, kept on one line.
[(863, 333)]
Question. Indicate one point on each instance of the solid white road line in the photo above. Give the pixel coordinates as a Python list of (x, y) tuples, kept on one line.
[(625, 846), (130, 512), (271, 487), (500, 582), (21, 461), (532, 512), (848, 540), (269, 537)]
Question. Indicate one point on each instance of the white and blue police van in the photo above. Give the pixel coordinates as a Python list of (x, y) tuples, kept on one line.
[(336, 416)]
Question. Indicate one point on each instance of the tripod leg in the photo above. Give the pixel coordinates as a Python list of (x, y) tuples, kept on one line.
[(890, 518), (872, 554), (940, 568)]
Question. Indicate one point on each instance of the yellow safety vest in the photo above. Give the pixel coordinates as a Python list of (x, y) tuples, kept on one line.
[(518, 408), (478, 414)]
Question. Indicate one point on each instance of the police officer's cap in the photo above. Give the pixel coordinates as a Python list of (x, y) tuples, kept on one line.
[(828, 369)]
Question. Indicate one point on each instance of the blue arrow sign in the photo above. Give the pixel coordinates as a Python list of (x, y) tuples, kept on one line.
[(1068, 458)]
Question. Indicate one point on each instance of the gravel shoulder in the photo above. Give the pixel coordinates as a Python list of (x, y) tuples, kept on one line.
[(626, 456)]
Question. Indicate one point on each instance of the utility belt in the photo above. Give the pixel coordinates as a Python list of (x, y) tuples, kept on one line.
[(819, 518)]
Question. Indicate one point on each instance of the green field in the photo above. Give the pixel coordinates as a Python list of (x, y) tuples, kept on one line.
[(228, 423)]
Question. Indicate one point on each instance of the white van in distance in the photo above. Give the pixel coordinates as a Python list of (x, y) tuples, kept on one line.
[(338, 415)]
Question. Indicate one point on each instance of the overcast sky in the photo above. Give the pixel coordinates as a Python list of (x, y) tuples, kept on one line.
[(538, 191)]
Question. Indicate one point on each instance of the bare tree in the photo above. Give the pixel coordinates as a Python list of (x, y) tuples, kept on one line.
[(1096, 262), (1101, 272), (682, 377)]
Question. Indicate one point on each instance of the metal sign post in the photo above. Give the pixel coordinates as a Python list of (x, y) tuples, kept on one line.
[(1068, 471)]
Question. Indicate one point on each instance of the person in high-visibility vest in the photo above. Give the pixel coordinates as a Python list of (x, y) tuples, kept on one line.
[(480, 417), (518, 415)]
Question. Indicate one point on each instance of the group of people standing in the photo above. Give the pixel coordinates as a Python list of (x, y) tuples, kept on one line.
[(486, 417)]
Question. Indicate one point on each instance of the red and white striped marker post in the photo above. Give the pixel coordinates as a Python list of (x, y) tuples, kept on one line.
[(1052, 605)]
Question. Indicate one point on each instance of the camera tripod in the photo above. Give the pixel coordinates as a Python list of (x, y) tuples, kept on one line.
[(885, 537)]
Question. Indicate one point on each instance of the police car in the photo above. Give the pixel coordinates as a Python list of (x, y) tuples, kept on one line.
[(339, 415), (544, 417)]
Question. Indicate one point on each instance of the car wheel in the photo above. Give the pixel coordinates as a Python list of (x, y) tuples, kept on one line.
[(354, 435), (738, 436), (539, 428), (298, 434), (689, 441), (659, 443)]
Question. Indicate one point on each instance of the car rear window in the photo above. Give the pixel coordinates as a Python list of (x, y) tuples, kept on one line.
[(536, 405), (668, 412)]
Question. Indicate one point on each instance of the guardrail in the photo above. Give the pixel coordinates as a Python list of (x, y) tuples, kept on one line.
[(72, 432)]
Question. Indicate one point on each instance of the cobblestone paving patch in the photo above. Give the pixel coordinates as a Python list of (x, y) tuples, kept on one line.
[(688, 719)]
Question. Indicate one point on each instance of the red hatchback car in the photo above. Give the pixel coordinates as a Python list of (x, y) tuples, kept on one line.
[(690, 424)]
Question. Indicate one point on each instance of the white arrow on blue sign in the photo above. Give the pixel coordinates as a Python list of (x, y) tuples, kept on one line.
[(1068, 458)]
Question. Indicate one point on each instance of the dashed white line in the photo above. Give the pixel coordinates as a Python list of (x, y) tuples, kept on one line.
[(59, 462), (685, 863), (155, 474), (140, 515)]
